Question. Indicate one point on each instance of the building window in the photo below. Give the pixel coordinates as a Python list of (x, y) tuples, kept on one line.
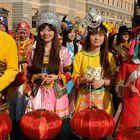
[(112, 2), (121, 4), (129, 7), (125, 6), (132, 7)]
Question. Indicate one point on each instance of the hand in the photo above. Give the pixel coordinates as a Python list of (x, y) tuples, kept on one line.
[(50, 78), (85, 81), (97, 83), (41, 76)]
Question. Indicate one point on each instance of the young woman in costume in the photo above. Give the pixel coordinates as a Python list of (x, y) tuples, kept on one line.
[(94, 67), (69, 38), (128, 87)]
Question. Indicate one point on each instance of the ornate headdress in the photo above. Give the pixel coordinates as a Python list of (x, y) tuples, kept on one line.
[(110, 28), (92, 20), (50, 18), (23, 27), (66, 24)]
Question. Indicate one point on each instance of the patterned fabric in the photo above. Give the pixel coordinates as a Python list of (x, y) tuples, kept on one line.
[(46, 97), (71, 50), (84, 67), (18, 105), (2, 68), (25, 49), (129, 79), (121, 52)]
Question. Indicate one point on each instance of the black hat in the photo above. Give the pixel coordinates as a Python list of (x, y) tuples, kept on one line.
[(123, 29)]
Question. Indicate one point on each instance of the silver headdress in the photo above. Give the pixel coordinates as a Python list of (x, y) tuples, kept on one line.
[(92, 19), (50, 18)]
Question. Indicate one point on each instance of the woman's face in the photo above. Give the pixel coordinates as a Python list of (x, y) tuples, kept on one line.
[(47, 34), (125, 36), (71, 35), (97, 39)]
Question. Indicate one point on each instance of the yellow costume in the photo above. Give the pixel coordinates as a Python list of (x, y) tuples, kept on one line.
[(8, 66), (8, 55), (88, 65)]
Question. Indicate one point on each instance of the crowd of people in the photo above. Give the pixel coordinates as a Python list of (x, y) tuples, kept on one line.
[(64, 71)]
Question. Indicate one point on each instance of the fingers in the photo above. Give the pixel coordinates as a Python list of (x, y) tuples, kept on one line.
[(97, 83), (51, 78)]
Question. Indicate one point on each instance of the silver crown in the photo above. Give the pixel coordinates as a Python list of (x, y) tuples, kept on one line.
[(50, 18), (92, 19)]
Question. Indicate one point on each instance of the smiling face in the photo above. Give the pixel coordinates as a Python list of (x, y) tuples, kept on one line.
[(47, 34), (97, 39), (71, 35)]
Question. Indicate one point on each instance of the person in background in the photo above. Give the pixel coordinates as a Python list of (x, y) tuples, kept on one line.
[(25, 39), (128, 87), (94, 67), (26, 44), (69, 37), (8, 67), (78, 40), (122, 46), (120, 51), (70, 42), (17, 105), (3, 24)]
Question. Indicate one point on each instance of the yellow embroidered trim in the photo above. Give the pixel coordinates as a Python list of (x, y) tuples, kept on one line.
[(63, 78)]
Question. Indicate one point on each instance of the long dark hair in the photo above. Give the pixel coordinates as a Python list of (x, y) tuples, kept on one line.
[(103, 51), (54, 59), (66, 39)]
